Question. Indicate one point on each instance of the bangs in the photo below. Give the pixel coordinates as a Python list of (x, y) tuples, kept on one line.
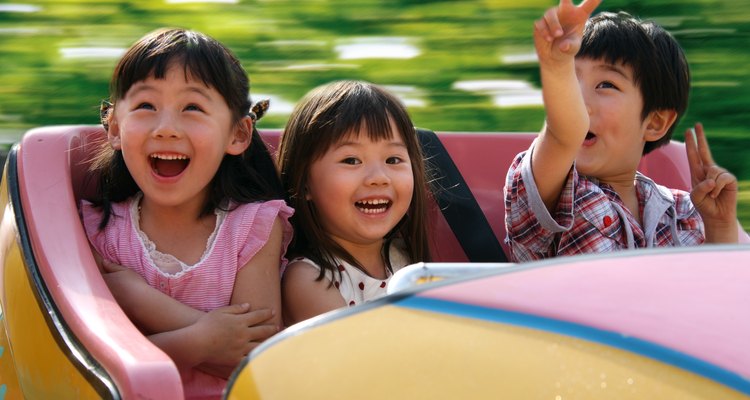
[(352, 108), (202, 58), (617, 39)]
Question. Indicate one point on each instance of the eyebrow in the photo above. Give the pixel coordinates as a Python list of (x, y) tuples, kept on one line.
[(391, 143), (614, 68), (142, 87)]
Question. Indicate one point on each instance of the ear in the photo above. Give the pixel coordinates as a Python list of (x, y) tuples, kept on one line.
[(113, 134), (241, 137), (658, 123)]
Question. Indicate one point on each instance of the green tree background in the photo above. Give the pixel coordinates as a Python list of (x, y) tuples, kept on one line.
[(57, 58)]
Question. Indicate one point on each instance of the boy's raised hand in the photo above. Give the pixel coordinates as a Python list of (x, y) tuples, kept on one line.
[(557, 35), (714, 192)]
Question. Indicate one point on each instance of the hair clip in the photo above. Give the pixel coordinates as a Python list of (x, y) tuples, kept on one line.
[(104, 109), (259, 109)]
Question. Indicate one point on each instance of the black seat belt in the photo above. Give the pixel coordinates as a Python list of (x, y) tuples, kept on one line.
[(458, 205)]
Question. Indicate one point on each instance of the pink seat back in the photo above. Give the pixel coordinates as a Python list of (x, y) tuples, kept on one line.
[(52, 176)]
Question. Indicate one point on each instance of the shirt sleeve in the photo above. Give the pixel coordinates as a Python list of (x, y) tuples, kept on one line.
[(690, 227), (531, 228), (259, 228), (91, 217)]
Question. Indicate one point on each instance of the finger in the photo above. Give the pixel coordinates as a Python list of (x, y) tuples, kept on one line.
[(241, 308), (588, 6), (700, 192), (553, 23), (703, 149), (110, 267), (256, 317), (540, 26), (570, 44), (697, 174), (259, 333), (724, 181)]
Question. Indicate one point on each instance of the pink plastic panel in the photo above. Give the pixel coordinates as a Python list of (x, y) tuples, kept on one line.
[(691, 300), (46, 158)]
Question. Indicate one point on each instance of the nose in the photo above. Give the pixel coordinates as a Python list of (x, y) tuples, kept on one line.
[(377, 175), (166, 127)]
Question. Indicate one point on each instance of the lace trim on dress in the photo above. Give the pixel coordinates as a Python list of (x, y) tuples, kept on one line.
[(156, 258)]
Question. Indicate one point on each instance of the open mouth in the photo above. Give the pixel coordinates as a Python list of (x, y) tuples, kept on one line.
[(169, 164), (373, 206), (590, 138)]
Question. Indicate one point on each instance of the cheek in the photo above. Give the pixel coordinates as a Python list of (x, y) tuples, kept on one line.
[(405, 183)]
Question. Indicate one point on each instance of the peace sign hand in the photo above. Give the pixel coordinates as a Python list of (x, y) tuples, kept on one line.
[(558, 33), (714, 192)]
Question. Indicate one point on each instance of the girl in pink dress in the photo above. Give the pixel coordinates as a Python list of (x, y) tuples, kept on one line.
[(352, 166), (190, 203)]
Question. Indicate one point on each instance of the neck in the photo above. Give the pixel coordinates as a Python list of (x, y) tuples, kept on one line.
[(369, 256), (626, 190)]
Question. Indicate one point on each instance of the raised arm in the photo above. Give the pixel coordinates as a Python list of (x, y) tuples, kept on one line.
[(714, 192), (557, 38)]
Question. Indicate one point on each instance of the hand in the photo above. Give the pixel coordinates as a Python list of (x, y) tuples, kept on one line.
[(109, 267), (230, 333), (714, 192), (557, 35)]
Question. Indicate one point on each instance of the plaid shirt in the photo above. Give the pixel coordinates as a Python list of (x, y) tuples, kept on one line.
[(591, 218)]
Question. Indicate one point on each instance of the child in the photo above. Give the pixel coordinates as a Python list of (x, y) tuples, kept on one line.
[(190, 201), (352, 167), (613, 91)]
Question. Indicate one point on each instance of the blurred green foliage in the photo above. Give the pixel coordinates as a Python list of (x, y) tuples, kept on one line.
[(289, 47)]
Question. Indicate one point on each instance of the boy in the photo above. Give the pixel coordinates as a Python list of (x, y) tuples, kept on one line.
[(613, 92)]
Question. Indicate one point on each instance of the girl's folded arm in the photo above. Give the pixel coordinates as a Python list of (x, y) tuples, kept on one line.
[(151, 310)]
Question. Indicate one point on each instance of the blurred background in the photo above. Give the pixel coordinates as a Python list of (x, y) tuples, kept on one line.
[(458, 65)]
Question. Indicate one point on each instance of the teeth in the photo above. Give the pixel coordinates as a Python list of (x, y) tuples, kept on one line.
[(373, 202), (374, 206), (169, 157)]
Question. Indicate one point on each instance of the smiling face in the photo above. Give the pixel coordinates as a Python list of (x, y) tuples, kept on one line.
[(174, 133), (361, 188), (617, 131)]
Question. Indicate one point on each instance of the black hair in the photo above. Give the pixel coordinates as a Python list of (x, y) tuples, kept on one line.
[(660, 69), (250, 176), (322, 118)]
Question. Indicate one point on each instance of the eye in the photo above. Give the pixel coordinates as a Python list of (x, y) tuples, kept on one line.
[(351, 161), (394, 160), (606, 85), (144, 106), (193, 107)]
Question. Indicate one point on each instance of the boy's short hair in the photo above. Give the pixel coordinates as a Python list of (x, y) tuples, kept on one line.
[(660, 68)]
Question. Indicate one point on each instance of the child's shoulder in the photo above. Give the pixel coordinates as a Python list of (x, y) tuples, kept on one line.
[(254, 222), (260, 212)]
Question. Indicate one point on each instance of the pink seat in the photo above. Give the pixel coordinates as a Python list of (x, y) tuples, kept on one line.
[(52, 175)]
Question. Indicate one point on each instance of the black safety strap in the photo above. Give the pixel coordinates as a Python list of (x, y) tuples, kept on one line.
[(459, 207)]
